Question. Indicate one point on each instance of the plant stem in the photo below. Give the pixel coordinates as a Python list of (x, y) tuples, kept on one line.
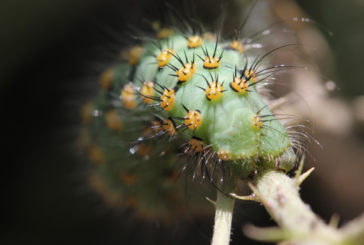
[(297, 223), (224, 206), (279, 194)]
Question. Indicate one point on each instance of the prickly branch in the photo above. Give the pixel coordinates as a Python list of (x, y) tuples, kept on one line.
[(297, 224)]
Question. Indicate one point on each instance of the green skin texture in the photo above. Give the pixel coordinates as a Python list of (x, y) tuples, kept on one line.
[(154, 184), (227, 121)]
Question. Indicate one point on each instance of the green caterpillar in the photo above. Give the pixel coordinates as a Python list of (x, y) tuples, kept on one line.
[(183, 93), (201, 96)]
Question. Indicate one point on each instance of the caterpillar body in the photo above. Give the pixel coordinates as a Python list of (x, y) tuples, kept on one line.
[(184, 93)]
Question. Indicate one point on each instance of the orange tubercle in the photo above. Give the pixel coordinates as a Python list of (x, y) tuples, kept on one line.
[(164, 33), (128, 96), (239, 85), (214, 91), (186, 72), (194, 41), (211, 62), (195, 146), (134, 55), (237, 46), (169, 127), (96, 155), (257, 122), (113, 120), (86, 113), (106, 79), (164, 56), (193, 119), (224, 155), (167, 99), (147, 91), (250, 75)]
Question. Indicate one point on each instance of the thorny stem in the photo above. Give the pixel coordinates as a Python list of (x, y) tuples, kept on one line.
[(224, 206), (298, 225)]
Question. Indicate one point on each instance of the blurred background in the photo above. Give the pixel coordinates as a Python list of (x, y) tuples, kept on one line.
[(48, 51)]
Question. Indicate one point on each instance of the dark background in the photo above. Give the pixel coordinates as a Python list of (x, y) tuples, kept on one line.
[(48, 50)]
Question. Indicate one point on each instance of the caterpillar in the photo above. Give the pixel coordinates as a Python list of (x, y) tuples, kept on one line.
[(183, 93)]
